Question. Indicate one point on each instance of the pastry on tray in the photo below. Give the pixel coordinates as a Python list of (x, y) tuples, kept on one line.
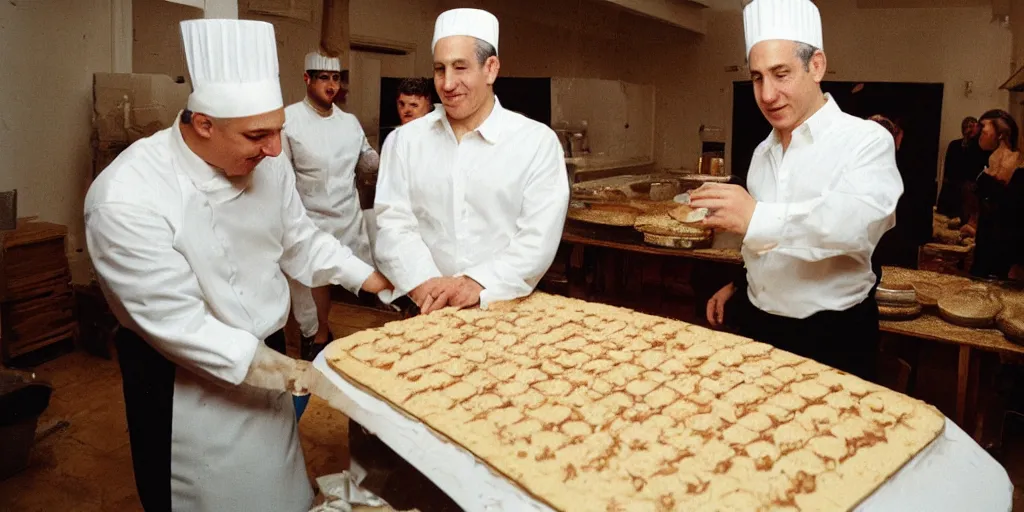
[(588, 407), (663, 224)]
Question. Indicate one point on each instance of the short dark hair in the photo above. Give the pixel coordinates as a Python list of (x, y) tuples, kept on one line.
[(1006, 126), (484, 51), (806, 52), (969, 120), (886, 123), (415, 87)]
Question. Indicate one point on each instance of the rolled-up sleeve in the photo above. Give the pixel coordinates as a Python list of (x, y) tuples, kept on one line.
[(849, 217)]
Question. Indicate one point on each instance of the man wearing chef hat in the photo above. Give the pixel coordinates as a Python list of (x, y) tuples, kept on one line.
[(823, 189), (191, 232), (325, 145), (471, 198)]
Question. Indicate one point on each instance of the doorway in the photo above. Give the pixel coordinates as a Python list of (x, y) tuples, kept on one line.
[(368, 62)]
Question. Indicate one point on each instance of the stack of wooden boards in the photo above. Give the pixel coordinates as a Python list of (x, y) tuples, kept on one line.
[(37, 306), (645, 203), (591, 407), (957, 300)]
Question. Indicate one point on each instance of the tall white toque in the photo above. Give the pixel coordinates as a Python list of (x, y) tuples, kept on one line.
[(233, 65)]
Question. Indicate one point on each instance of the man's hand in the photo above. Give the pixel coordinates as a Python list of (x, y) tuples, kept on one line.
[(730, 207), (716, 305), (376, 283), (441, 292), (467, 294)]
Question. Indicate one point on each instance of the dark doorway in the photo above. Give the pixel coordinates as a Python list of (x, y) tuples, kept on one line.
[(915, 107)]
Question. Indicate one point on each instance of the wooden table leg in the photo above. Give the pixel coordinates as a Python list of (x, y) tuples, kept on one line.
[(962, 379)]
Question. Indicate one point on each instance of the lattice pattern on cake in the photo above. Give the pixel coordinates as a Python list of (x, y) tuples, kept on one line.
[(591, 408)]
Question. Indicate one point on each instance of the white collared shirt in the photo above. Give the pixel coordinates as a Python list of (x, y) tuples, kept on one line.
[(822, 207), (324, 152), (195, 262), (491, 207)]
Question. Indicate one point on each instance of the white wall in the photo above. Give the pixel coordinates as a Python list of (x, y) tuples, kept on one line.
[(50, 50)]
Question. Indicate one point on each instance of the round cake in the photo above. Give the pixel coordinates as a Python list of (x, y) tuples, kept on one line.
[(970, 307)]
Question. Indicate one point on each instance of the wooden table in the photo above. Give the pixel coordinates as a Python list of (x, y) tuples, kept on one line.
[(928, 326), (627, 239)]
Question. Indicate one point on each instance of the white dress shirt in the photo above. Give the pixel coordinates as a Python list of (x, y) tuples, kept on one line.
[(491, 207), (195, 263), (822, 207)]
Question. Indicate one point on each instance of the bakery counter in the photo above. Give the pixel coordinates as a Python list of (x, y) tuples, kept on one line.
[(979, 351), (613, 265), (631, 240)]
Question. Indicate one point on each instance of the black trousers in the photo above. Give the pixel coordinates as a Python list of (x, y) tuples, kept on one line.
[(148, 381), (846, 340)]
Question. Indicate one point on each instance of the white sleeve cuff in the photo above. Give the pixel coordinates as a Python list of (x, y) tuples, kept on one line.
[(766, 227)]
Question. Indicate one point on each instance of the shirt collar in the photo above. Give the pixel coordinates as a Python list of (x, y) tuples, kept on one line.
[(316, 113), (815, 126), (489, 130), (204, 176)]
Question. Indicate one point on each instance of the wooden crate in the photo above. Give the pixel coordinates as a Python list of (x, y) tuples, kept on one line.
[(37, 306)]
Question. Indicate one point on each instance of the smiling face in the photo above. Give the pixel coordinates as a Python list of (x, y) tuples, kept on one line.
[(322, 87), (787, 92), (237, 146), (462, 82)]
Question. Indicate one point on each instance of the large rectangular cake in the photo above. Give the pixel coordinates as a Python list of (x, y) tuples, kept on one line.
[(595, 408)]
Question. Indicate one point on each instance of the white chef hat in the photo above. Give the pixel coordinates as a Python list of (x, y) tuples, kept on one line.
[(316, 61), (233, 65), (466, 22), (790, 20)]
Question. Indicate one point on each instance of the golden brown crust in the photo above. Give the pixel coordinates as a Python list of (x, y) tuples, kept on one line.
[(592, 407)]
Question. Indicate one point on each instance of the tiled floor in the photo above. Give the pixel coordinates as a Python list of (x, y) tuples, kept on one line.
[(86, 466)]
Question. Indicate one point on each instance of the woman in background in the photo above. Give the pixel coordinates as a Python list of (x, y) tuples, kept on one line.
[(999, 224)]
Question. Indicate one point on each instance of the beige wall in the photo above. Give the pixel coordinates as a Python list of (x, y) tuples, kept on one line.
[(50, 50), (156, 46), (295, 38)]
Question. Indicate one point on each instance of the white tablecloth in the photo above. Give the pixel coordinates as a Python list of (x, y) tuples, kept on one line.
[(952, 474)]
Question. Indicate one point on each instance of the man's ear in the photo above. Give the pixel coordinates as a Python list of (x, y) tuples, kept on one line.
[(306, 78), (203, 125), (492, 66), (819, 64)]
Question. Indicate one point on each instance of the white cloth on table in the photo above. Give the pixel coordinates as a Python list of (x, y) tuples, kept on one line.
[(952, 474)]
